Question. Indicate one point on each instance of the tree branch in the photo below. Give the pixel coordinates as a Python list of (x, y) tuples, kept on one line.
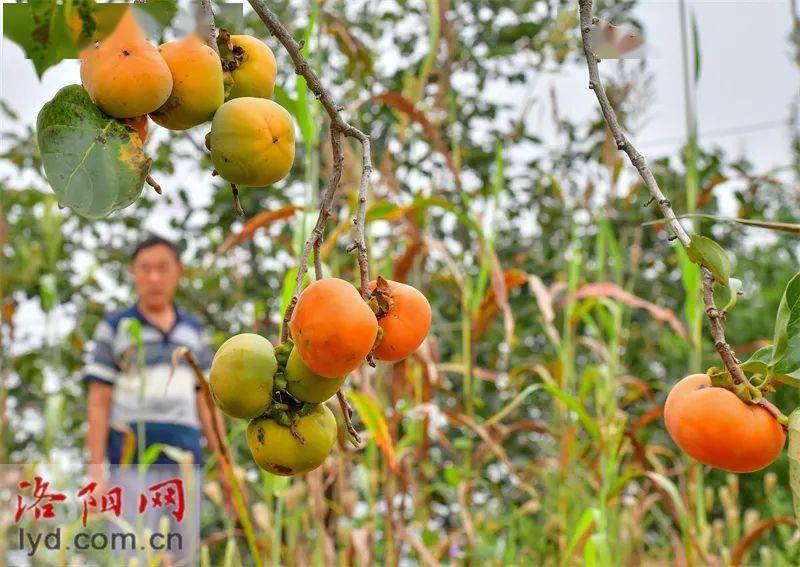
[(338, 127), (225, 460), (347, 415), (640, 163)]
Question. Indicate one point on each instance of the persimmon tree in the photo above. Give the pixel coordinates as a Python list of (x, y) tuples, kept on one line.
[(769, 366)]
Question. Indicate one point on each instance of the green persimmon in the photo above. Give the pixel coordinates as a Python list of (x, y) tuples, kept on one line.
[(277, 450), (242, 375), (306, 386)]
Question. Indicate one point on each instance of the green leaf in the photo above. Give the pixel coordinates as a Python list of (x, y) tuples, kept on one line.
[(586, 420), (760, 361), (283, 98), (452, 476), (792, 379), (704, 251), (579, 532), (159, 14), (698, 62), (95, 164), (690, 275), (786, 338), (303, 106), (40, 29), (794, 460), (380, 210)]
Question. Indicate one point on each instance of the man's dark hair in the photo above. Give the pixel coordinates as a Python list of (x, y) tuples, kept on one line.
[(155, 240)]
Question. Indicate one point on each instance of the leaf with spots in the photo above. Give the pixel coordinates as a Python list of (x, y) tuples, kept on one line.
[(95, 164)]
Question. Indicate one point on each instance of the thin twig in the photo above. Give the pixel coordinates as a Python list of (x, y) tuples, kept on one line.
[(361, 220), (339, 127), (640, 163), (237, 204), (152, 183), (347, 414), (224, 455), (315, 238)]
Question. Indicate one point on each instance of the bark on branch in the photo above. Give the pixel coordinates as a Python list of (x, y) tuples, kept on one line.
[(339, 127), (656, 195)]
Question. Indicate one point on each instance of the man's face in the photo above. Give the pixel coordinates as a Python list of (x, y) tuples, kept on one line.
[(156, 272)]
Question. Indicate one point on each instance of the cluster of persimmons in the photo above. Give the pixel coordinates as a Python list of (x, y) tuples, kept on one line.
[(283, 390)]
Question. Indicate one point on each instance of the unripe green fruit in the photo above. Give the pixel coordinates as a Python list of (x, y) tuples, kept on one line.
[(242, 376), (275, 449), (307, 386)]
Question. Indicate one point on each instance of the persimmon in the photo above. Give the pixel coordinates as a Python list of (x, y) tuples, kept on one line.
[(124, 74), (276, 449), (255, 74), (140, 124), (307, 386), (406, 322), (333, 328), (718, 429), (197, 84), (242, 375), (252, 141)]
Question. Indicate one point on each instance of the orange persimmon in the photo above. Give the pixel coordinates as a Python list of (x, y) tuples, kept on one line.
[(718, 429), (333, 328)]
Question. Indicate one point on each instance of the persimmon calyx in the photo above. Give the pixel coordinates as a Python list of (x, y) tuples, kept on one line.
[(745, 391), (231, 55), (381, 299), (720, 378)]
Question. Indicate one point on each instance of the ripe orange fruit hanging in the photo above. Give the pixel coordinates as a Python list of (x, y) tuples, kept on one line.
[(197, 91), (124, 74), (405, 324), (718, 429), (332, 327)]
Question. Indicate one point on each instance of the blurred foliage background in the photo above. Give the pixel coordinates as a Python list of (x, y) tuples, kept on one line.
[(526, 430)]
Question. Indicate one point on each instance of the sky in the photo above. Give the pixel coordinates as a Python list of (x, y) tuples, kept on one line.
[(744, 95)]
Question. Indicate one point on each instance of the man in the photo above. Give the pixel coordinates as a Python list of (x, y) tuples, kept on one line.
[(133, 402)]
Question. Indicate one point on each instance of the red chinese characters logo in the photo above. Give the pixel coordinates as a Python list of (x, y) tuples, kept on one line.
[(111, 501), (43, 505), (165, 494)]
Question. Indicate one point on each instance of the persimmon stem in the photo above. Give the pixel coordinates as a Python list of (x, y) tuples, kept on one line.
[(237, 204), (152, 183), (771, 408)]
